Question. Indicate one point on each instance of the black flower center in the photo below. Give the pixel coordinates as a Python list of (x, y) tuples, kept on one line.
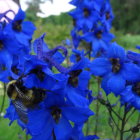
[(73, 79), (39, 73), (115, 64), (136, 88), (56, 113), (86, 12), (15, 70), (78, 57), (17, 25), (1, 45), (107, 15), (99, 34)]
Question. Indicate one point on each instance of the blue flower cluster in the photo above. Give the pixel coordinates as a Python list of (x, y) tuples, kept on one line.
[(119, 70), (47, 100), (50, 101)]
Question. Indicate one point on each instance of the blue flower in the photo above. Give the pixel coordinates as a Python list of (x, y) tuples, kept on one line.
[(21, 30), (55, 118), (100, 40), (114, 70), (131, 95), (85, 15)]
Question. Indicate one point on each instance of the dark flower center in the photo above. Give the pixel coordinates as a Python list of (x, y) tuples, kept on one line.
[(136, 88), (17, 25), (15, 70), (99, 34), (107, 15), (73, 79), (86, 12), (78, 57), (39, 73), (3, 67), (1, 45), (56, 113), (115, 64)]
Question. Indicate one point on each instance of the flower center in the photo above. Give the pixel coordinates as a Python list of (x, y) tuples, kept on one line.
[(15, 70), (78, 57), (39, 73), (86, 12), (17, 25), (99, 34), (115, 64), (1, 45), (136, 88), (56, 113), (107, 15), (73, 79)]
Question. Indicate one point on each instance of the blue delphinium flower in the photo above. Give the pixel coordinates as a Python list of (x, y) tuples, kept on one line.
[(131, 95), (114, 70), (21, 30), (99, 39), (55, 116), (5, 66)]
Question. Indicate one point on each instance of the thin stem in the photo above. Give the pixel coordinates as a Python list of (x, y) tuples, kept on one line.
[(3, 100), (118, 123), (87, 123), (123, 123), (110, 113), (97, 108), (112, 128), (26, 137), (130, 115)]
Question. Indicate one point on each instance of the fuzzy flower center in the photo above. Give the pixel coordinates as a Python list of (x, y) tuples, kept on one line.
[(99, 34), (107, 15), (56, 113), (73, 79), (17, 25), (136, 88), (1, 45), (86, 12), (115, 64)]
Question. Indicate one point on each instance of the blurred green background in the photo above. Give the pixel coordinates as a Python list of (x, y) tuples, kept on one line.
[(126, 27)]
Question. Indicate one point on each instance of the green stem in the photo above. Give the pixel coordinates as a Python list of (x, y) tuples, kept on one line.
[(97, 108), (3, 100)]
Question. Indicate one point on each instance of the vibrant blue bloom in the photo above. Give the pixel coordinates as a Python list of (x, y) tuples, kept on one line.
[(114, 70), (21, 30), (99, 38), (131, 95), (55, 118), (85, 17), (134, 57), (5, 66), (107, 15)]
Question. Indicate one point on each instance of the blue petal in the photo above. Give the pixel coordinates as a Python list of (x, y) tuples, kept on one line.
[(116, 84), (62, 129), (39, 122), (75, 98), (116, 51), (100, 66), (76, 114), (131, 72)]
